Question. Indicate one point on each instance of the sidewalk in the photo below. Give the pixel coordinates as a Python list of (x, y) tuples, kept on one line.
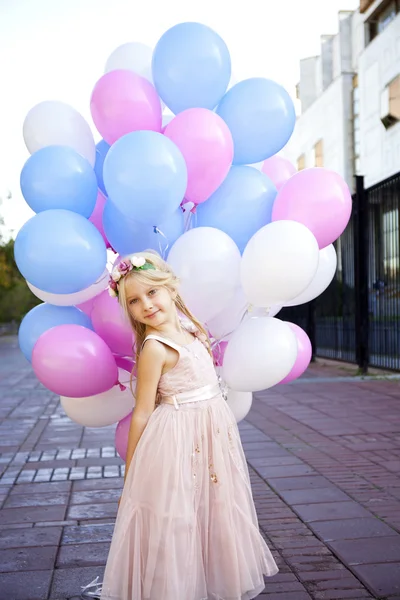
[(324, 459)]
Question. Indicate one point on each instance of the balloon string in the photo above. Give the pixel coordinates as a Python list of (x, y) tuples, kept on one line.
[(163, 251)]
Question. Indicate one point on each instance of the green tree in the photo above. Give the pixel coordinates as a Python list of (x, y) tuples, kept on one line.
[(16, 299)]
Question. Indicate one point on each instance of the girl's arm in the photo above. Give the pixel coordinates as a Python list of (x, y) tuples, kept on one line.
[(149, 370)]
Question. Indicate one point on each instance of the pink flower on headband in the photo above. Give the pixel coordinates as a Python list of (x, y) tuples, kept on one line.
[(136, 263), (124, 267)]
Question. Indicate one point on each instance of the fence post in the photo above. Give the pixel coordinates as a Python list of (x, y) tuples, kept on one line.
[(311, 328), (360, 210)]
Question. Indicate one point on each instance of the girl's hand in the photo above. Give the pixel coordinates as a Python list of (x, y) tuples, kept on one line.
[(119, 501)]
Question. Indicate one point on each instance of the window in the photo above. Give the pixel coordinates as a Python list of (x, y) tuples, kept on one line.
[(318, 152), (301, 162), (391, 242), (390, 103), (382, 18), (386, 16)]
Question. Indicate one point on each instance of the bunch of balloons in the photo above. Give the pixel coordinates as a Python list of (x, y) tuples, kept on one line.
[(244, 240)]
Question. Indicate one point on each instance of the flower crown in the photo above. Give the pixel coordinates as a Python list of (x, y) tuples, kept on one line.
[(133, 263)]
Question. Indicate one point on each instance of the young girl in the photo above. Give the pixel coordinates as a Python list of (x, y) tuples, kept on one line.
[(186, 528)]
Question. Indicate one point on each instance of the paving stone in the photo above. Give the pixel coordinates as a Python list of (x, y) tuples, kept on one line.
[(273, 472), (317, 496), (93, 511), (83, 555), (326, 511), (348, 529), (88, 534), (29, 585), (68, 582), (30, 536), (41, 488), (95, 496), (20, 500), (32, 514), (23, 559), (368, 551), (100, 484), (300, 483)]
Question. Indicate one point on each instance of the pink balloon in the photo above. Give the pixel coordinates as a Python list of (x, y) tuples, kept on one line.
[(219, 352), (207, 146), (73, 361), (97, 216), (304, 353), (123, 102), (278, 169), (122, 435), (124, 363), (318, 198), (87, 306), (111, 325)]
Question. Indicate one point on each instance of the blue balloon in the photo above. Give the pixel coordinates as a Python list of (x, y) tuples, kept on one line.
[(127, 237), (191, 67), (261, 117), (240, 206), (44, 317), (102, 149), (60, 252), (58, 177), (145, 176)]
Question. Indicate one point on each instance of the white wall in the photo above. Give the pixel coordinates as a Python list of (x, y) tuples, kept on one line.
[(324, 120), (378, 65)]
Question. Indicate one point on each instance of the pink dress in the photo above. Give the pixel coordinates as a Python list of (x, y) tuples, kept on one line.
[(187, 528)]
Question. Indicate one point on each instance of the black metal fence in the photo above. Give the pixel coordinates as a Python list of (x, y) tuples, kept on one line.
[(357, 319)]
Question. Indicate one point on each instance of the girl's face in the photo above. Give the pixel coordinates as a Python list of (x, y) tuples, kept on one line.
[(150, 304)]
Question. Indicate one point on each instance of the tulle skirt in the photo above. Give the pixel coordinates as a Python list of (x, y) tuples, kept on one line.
[(187, 528)]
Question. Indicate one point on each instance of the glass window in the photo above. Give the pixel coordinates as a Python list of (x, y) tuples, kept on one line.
[(301, 162), (391, 242), (386, 16)]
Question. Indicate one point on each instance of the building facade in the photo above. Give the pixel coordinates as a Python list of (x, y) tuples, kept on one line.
[(350, 97)]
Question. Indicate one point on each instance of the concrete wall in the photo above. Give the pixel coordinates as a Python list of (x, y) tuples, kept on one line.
[(378, 65)]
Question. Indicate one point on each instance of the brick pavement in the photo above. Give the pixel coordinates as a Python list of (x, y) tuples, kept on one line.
[(324, 460)]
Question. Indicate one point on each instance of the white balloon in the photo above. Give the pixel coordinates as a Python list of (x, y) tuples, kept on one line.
[(132, 56), (325, 273), (278, 263), (261, 352), (72, 299), (259, 311), (224, 324), (207, 261), (239, 403), (56, 123), (103, 409)]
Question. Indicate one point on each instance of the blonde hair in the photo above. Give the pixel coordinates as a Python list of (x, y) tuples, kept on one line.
[(161, 276)]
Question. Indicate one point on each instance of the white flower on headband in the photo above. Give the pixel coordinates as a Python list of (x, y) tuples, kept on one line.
[(116, 275), (112, 293), (138, 261)]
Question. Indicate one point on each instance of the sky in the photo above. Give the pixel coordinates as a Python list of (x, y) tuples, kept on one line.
[(57, 49)]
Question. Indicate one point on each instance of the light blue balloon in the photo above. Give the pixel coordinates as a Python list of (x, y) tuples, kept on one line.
[(42, 318), (145, 176), (261, 117), (240, 206), (60, 252), (58, 177), (127, 237), (102, 149), (191, 67)]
